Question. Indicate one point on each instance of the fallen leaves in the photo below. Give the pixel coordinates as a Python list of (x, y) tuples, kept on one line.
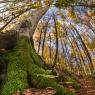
[(33, 91)]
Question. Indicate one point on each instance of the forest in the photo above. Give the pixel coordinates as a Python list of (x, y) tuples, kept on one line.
[(47, 47)]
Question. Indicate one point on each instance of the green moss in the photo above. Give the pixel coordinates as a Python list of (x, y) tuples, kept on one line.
[(61, 78), (35, 57), (19, 63), (3, 57), (73, 83), (47, 76), (23, 62), (13, 85), (43, 81), (17, 70)]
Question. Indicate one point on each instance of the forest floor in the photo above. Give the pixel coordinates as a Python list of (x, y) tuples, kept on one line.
[(34, 91), (87, 87)]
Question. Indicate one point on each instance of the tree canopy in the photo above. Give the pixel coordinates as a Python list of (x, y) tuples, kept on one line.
[(51, 34)]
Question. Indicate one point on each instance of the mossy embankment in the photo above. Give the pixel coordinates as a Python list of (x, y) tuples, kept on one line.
[(22, 62)]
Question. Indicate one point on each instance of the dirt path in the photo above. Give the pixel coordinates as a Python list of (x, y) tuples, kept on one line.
[(87, 87)]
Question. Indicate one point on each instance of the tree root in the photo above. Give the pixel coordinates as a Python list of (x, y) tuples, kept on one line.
[(21, 64)]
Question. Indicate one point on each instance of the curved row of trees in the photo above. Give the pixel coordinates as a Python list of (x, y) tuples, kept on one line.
[(55, 30)]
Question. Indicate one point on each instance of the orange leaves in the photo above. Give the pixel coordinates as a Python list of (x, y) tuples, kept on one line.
[(71, 14)]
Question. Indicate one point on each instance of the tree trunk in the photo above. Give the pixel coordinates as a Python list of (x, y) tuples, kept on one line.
[(50, 54), (39, 44), (22, 63), (65, 56), (44, 39), (56, 37), (85, 50)]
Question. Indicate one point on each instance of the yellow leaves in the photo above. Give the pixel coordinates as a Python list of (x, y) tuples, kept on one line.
[(71, 14), (46, 53), (36, 35), (52, 35), (74, 44), (38, 31), (61, 22), (58, 13), (39, 4), (90, 12)]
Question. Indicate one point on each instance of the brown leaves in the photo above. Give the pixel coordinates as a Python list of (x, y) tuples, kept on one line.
[(33, 91), (50, 91), (17, 92), (70, 89)]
